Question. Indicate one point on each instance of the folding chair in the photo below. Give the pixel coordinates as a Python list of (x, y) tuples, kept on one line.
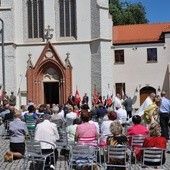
[(59, 123), (151, 157), (31, 134), (82, 155), (5, 130), (136, 142), (63, 141), (34, 153), (116, 156), (63, 145)]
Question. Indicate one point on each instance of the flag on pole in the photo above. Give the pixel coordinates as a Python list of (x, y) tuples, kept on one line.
[(109, 93), (122, 91), (77, 98), (2, 93), (109, 96), (95, 96)]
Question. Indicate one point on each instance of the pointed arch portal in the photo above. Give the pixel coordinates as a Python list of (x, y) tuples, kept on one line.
[(50, 81)]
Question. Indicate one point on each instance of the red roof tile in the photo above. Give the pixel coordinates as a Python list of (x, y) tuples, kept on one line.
[(139, 33)]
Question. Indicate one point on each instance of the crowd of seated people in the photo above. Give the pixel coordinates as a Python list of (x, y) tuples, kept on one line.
[(83, 129)]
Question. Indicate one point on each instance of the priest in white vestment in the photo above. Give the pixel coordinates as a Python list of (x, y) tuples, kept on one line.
[(148, 101)]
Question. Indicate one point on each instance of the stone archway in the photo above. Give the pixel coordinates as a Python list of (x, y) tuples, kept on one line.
[(49, 69)]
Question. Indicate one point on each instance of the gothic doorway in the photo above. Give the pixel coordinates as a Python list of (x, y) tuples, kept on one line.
[(50, 80), (51, 92)]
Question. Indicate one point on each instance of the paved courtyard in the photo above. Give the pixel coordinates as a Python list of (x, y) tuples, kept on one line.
[(61, 164)]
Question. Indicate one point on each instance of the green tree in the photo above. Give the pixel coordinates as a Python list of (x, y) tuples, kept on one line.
[(124, 13)]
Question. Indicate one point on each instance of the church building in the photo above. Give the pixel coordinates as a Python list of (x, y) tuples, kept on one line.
[(53, 46), (142, 59), (50, 48)]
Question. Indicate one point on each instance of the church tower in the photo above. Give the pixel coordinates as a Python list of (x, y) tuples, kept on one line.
[(101, 42)]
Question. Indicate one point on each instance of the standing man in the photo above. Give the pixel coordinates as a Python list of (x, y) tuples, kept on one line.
[(117, 101), (85, 99), (164, 115), (71, 100), (12, 99), (121, 114), (128, 102)]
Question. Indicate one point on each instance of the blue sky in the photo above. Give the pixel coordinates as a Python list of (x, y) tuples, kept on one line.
[(156, 10)]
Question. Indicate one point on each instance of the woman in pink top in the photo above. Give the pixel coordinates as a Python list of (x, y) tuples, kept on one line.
[(86, 133)]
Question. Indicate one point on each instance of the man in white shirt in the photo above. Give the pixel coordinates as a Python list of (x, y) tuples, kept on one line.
[(47, 131), (121, 114), (117, 101)]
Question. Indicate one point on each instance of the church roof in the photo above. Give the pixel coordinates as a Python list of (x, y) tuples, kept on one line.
[(139, 33)]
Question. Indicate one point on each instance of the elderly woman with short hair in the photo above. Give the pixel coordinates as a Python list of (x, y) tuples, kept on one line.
[(155, 140), (18, 130), (117, 138)]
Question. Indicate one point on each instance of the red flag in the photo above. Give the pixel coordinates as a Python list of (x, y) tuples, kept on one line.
[(95, 96), (109, 97), (77, 97)]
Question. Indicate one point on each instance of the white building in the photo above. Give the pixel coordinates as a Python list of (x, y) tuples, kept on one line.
[(53, 46), (142, 59)]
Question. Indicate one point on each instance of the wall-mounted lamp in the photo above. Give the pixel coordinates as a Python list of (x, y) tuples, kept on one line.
[(164, 46), (159, 89), (112, 47), (134, 48)]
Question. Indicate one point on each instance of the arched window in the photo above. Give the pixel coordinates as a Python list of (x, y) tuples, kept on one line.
[(35, 18), (67, 18)]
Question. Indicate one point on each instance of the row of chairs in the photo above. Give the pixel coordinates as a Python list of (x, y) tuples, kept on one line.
[(82, 155)]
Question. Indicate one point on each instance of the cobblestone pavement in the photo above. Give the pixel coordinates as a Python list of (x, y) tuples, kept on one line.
[(61, 163)]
